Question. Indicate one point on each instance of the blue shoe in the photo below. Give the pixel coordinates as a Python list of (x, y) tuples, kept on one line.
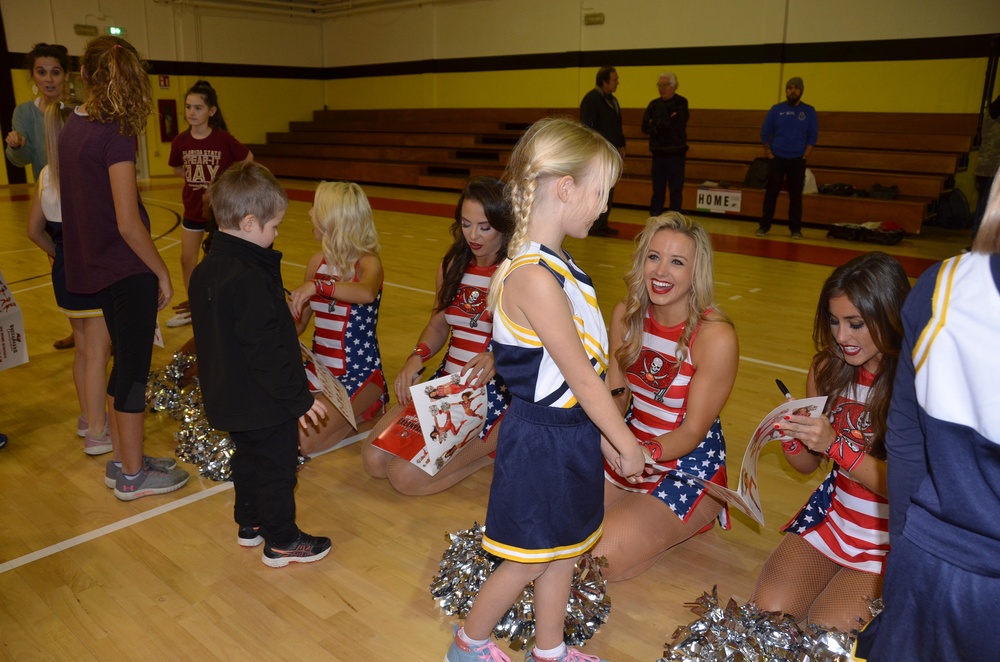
[(571, 655), (461, 652)]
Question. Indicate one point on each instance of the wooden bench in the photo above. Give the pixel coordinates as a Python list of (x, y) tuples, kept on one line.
[(441, 148)]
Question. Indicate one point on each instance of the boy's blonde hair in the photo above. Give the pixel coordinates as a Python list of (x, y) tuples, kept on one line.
[(700, 299), (343, 215), (246, 189), (552, 147), (118, 84)]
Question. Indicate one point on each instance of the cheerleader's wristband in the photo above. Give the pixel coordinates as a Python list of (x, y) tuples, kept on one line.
[(325, 288), (423, 350), (792, 447), (845, 453)]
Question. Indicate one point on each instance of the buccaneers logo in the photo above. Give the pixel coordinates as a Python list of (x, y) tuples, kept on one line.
[(853, 423), (656, 371), (472, 302)]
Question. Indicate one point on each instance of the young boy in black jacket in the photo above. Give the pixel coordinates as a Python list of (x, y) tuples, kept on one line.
[(249, 363)]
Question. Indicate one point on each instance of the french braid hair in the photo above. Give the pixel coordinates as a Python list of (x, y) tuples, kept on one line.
[(700, 300), (551, 147)]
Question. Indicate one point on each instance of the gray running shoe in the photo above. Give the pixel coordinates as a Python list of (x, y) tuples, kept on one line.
[(152, 480), (111, 471)]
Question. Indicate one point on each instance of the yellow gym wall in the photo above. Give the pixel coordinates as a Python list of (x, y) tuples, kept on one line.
[(914, 86), (446, 31), (251, 106)]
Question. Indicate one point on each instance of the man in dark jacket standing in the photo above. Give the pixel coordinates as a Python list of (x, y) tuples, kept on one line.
[(665, 122), (600, 111)]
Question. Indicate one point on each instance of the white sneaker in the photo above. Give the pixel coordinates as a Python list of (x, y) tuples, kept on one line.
[(180, 319)]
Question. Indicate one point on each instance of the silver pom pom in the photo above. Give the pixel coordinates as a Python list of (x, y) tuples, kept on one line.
[(749, 634), (465, 566)]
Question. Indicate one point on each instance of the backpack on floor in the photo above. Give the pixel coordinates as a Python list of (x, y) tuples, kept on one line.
[(809, 185), (882, 235), (846, 231), (953, 211), (756, 174), (843, 190), (880, 192), (885, 233)]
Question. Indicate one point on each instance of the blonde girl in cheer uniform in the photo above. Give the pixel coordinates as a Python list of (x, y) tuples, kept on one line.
[(550, 343)]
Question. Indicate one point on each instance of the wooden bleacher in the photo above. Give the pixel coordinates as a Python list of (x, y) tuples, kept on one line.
[(440, 148)]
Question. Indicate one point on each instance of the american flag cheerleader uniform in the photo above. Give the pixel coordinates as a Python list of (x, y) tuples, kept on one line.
[(345, 342), (547, 497), (471, 332), (844, 520), (659, 386)]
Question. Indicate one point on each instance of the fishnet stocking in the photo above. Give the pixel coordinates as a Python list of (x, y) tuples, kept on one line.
[(413, 481), (639, 529), (798, 580)]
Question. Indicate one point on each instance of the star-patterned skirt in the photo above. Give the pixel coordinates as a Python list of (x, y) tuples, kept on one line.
[(345, 343), (707, 461)]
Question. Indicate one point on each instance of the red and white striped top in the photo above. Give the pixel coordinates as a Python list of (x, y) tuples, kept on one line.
[(844, 520), (345, 341), (470, 319), (659, 384)]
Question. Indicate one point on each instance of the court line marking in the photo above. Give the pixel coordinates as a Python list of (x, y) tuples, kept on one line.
[(218, 489), (141, 517), (48, 283), (407, 287), (112, 528), (775, 365)]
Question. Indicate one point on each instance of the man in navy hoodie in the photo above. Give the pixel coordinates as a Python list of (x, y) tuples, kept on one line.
[(789, 133)]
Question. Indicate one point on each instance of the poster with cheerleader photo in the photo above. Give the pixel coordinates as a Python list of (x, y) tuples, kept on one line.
[(331, 387), (13, 350), (448, 414), (746, 497)]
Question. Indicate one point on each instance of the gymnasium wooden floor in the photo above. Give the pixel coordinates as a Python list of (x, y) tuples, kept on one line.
[(84, 576)]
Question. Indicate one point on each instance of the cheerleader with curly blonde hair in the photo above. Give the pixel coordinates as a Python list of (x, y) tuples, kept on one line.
[(343, 289), (676, 356)]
